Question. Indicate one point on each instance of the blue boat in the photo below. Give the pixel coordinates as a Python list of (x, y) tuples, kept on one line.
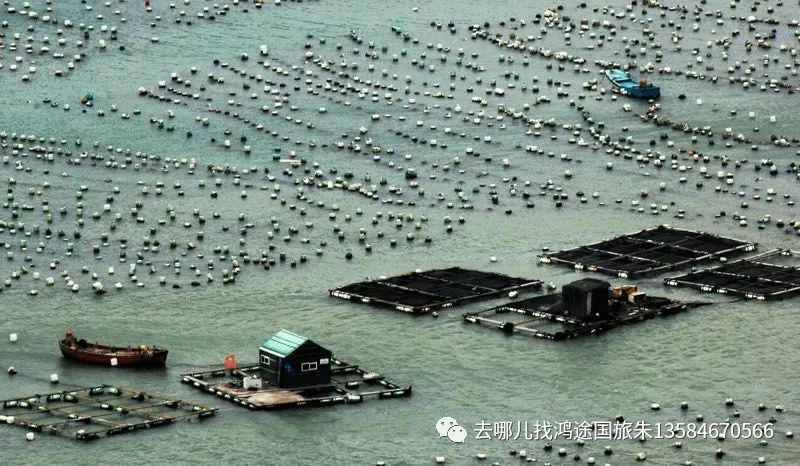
[(623, 82)]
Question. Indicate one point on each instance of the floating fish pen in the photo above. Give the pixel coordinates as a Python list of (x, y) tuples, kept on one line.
[(103, 411), (584, 307), (756, 277), (349, 384), (649, 252), (422, 292)]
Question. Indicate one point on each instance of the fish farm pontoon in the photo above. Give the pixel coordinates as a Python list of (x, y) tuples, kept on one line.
[(422, 292), (584, 307), (348, 384), (293, 372), (751, 277), (103, 411), (649, 252)]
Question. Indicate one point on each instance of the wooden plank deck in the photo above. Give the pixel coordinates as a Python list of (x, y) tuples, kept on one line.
[(263, 398)]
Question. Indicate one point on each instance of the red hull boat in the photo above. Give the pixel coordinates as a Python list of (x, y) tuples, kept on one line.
[(125, 356)]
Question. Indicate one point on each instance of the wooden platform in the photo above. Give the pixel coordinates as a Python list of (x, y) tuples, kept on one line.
[(261, 397), (102, 411), (349, 384), (753, 277), (422, 292), (649, 252)]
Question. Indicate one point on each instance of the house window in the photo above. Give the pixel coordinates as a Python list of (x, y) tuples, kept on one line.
[(265, 360), (308, 366)]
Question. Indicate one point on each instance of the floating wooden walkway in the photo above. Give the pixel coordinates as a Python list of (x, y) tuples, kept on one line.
[(422, 292), (649, 252), (349, 384), (102, 411), (752, 277), (540, 317)]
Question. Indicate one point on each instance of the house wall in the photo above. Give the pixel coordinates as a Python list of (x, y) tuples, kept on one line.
[(289, 372), (269, 364), (311, 354)]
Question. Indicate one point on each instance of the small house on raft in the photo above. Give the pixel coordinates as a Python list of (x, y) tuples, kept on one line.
[(288, 360), (293, 372), (586, 299), (584, 307)]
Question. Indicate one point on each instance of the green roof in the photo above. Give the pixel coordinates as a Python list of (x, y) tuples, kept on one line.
[(284, 343)]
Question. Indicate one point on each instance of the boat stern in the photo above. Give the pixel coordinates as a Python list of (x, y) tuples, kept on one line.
[(651, 92)]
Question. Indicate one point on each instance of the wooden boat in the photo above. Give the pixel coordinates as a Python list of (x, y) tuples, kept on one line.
[(125, 356), (623, 82)]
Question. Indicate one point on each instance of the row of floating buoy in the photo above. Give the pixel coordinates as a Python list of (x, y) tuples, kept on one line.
[(505, 91), (106, 209)]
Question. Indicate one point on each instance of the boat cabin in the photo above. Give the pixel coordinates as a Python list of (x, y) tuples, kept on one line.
[(289, 360)]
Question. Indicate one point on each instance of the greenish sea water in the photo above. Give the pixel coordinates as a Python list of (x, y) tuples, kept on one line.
[(744, 350)]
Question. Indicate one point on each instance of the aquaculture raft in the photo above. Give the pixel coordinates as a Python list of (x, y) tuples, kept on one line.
[(102, 411), (751, 277), (546, 316), (349, 384), (422, 292), (648, 252)]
